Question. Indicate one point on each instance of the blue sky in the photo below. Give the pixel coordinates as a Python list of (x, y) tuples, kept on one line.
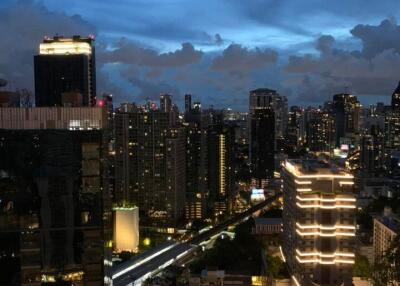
[(216, 50)]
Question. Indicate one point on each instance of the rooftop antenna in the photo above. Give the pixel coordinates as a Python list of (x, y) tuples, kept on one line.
[(346, 89)]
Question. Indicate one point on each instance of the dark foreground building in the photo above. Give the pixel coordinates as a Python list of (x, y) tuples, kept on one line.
[(55, 209)]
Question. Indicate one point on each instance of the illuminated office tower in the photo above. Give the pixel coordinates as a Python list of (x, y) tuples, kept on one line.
[(318, 222), (65, 72)]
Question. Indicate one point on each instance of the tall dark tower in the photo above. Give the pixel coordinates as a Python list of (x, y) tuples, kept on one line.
[(346, 111), (188, 102), (396, 99), (65, 72), (262, 144)]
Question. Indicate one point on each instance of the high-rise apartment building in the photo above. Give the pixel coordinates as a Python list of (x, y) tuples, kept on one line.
[(320, 130), (55, 201), (318, 222), (220, 165), (196, 160), (150, 164), (65, 72), (346, 110)]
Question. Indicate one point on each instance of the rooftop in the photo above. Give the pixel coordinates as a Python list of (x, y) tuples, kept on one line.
[(313, 167), (263, 91)]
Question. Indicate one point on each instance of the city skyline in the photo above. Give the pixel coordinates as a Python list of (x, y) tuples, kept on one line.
[(142, 54)]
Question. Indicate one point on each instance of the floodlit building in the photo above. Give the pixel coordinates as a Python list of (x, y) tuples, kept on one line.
[(318, 222), (65, 68), (126, 229)]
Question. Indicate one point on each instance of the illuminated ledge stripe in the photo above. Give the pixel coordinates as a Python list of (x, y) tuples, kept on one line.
[(304, 190), (303, 182), (346, 183), (320, 226), (320, 254), (308, 199), (319, 261), (325, 207), (336, 233)]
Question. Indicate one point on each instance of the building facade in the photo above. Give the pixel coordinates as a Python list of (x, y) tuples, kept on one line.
[(318, 222), (150, 164), (65, 72), (55, 199)]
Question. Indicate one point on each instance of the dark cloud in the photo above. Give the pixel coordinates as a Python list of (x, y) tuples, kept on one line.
[(325, 43), (376, 39), (152, 89), (128, 52), (218, 40), (373, 71), (237, 59)]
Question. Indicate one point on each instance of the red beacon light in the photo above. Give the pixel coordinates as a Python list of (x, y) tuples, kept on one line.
[(100, 103)]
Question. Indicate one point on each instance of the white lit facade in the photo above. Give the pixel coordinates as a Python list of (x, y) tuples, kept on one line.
[(126, 229), (318, 219)]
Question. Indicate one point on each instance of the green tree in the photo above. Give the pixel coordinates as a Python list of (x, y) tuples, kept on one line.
[(361, 267)]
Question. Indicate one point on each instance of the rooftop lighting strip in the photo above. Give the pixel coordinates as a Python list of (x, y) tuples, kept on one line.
[(325, 200), (336, 233), (292, 169), (319, 261), (325, 207), (337, 226)]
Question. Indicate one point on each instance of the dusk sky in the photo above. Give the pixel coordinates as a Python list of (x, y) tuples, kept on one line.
[(216, 50)]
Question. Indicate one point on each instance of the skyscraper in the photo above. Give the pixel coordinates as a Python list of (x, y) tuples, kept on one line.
[(188, 102), (165, 102), (318, 222), (65, 72), (220, 159), (346, 111), (150, 164), (262, 145), (264, 97), (55, 197)]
